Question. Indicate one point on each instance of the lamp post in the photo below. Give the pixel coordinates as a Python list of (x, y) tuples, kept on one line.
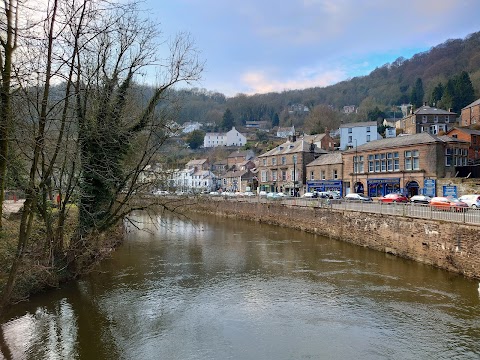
[(355, 167), (294, 176)]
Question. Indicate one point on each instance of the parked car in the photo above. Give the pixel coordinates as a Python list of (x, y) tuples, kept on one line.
[(420, 199), (448, 203), (310, 195), (393, 198), (357, 197), (262, 193), (248, 193), (472, 200)]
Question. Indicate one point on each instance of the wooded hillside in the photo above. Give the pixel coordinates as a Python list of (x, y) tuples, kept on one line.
[(387, 86)]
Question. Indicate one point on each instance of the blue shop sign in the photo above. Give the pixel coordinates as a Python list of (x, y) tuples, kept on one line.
[(429, 187), (325, 185), (450, 190)]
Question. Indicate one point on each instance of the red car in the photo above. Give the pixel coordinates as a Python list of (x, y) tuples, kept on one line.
[(393, 198), (447, 203)]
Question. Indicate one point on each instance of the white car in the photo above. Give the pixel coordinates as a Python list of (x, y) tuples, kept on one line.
[(309, 195), (420, 199), (357, 197), (248, 193), (472, 200), (262, 193)]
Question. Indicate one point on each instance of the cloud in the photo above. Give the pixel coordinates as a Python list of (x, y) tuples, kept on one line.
[(263, 81)]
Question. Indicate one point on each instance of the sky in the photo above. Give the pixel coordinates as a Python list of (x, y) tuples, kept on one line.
[(261, 46)]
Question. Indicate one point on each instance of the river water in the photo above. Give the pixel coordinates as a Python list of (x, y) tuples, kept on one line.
[(215, 288)]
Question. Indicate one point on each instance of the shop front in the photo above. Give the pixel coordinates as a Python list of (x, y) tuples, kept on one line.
[(325, 185), (382, 187)]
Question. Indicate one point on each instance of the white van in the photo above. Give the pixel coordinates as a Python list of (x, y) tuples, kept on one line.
[(472, 200)]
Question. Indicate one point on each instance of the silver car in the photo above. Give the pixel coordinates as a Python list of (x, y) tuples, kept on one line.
[(472, 200)]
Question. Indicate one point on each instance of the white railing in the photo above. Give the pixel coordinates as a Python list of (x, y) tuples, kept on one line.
[(420, 211)]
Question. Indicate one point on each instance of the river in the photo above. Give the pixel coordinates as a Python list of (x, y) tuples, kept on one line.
[(216, 288)]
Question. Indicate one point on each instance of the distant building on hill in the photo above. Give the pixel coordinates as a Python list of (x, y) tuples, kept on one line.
[(231, 138), (428, 119), (285, 132)]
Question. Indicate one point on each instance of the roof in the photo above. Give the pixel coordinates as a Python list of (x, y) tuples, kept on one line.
[(285, 129), (240, 154), (292, 148), (406, 140), (196, 162), (236, 173), (359, 124), (465, 130), (314, 138), (327, 159), (428, 110), (475, 103)]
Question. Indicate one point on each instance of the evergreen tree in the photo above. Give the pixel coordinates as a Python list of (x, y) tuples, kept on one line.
[(416, 97), (228, 121), (464, 92), (276, 120), (195, 139), (448, 95), (436, 94)]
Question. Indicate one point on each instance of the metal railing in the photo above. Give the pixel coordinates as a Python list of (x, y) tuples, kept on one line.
[(419, 211)]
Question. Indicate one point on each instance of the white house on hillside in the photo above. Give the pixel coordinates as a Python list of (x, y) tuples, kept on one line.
[(231, 138), (356, 134)]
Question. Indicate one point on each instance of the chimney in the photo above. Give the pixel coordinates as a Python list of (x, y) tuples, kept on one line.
[(450, 110), (294, 137), (425, 103)]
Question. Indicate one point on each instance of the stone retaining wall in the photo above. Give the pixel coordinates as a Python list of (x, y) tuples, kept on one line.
[(450, 246)]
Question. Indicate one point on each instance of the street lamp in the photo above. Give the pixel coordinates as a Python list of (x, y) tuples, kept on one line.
[(294, 176), (355, 166)]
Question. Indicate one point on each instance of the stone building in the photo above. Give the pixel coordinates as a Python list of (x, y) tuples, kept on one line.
[(473, 137), (282, 169), (428, 120), (325, 173), (323, 141), (470, 114), (408, 164)]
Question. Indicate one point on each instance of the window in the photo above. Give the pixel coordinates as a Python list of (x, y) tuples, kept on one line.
[(377, 163), (264, 176), (349, 139), (424, 119), (412, 161), (335, 174), (383, 163), (396, 162), (284, 175), (435, 119), (370, 164), (274, 175), (284, 160), (274, 161), (358, 164), (294, 158), (312, 175), (389, 162), (264, 162), (349, 130), (368, 138), (447, 118), (322, 174), (368, 129)]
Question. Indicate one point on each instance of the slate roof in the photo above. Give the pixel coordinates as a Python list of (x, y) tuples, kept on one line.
[(327, 159), (475, 103), (359, 124), (405, 140), (292, 148), (428, 110), (466, 131)]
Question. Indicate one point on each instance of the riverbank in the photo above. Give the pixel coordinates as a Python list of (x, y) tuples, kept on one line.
[(447, 245), (38, 270)]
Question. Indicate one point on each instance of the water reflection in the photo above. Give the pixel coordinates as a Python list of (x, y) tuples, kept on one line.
[(213, 288)]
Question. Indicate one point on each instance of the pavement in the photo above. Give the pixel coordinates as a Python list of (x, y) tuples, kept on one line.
[(12, 206)]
